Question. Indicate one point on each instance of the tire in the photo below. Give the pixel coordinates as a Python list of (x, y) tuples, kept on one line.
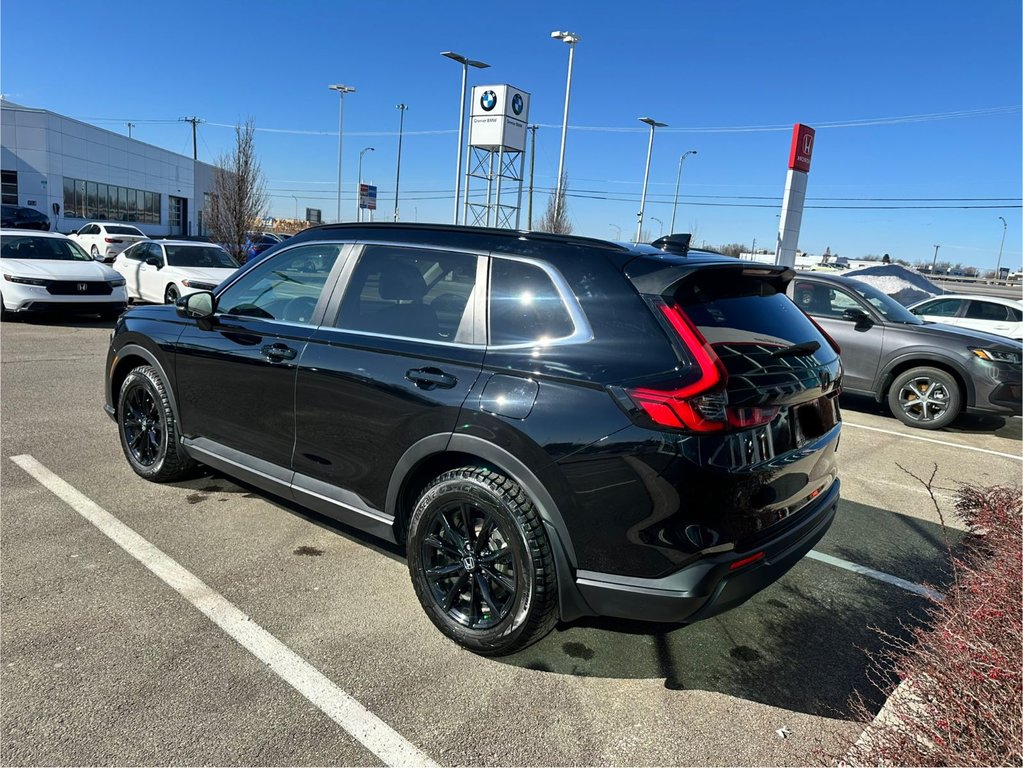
[(481, 563), (94, 252), (171, 294), (926, 398), (147, 428)]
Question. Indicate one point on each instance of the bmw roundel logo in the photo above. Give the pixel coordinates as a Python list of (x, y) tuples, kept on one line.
[(517, 104), (488, 100)]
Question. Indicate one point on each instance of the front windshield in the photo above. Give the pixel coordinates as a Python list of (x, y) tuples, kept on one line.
[(39, 248), (202, 256), (885, 304)]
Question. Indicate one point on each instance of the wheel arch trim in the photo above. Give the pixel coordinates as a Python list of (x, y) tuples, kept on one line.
[(137, 350)]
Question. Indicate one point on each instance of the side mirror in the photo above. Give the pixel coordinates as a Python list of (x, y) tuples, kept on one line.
[(858, 316), (155, 261), (199, 306)]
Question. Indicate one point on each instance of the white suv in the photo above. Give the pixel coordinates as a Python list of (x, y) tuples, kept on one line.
[(162, 270), (105, 239)]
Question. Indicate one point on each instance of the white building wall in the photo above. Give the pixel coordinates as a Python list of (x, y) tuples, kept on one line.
[(44, 148)]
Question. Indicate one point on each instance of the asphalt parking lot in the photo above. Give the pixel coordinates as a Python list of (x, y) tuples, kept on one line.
[(103, 662)]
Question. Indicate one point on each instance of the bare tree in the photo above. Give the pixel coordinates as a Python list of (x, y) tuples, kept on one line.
[(239, 197), (555, 218), (732, 249)]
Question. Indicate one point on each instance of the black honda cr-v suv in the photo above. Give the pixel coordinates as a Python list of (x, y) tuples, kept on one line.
[(553, 426)]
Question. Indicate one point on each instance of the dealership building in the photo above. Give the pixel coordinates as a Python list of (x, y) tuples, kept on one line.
[(75, 172)]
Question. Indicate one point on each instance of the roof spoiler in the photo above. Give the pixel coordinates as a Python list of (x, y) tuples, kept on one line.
[(674, 244)]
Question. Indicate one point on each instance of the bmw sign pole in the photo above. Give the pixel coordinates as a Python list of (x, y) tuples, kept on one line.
[(646, 174)]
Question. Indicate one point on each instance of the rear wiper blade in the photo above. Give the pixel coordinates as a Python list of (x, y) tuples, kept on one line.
[(806, 348)]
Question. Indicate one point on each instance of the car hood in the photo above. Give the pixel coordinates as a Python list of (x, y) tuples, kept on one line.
[(58, 269), (939, 333)]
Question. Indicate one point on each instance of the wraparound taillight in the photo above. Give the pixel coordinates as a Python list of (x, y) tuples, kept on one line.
[(822, 332)]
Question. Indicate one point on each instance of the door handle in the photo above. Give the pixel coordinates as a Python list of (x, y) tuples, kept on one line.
[(277, 352), (431, 378)]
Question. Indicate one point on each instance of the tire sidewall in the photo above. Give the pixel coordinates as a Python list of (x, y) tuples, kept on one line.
[(144, 379), (952, 410), (171, 294), (508, 629)]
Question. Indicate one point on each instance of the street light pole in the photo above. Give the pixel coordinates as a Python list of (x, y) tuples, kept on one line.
[(618, 231), (295, 198), (935, 261), (674, 206), (660, 225), (341, 90), (532, 164), (998, 266), (654, 125), (571, 39), (397, 177), (466, 63), (358, 185)]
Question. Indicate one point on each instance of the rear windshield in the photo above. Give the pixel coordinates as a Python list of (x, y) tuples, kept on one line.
[(748, 316), (199, 256), (114, 229)]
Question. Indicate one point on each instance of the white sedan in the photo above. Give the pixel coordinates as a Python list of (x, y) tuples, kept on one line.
[(993, 314), (162, 270), (105, 239), (48, 272)]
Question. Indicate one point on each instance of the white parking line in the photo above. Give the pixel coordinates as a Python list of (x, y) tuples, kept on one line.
[(932, 440), (863, 570), (372, 732)]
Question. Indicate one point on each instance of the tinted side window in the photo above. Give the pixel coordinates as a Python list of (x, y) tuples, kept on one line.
[(942, 308), (525, 305), (285, 287), (1015, 315), (822, 300), (136, 252), (411, 292), (986, 310)]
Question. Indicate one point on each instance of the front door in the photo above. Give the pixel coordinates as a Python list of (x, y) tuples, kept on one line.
[(393, 366), (178, 215), (236, 381)]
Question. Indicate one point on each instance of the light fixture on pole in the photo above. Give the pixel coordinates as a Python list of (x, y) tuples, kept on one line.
[(341, 90), (654, 125), (358, 185), (674, 205), (998, 266), (466, 63), (571, 39), (660, 225), (397, 176)]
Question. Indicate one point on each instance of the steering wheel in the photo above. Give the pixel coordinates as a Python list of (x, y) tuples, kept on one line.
[(299, 310)]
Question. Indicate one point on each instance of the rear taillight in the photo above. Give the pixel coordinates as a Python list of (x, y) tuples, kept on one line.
[(822, 332), (110, 240), (698, 406)]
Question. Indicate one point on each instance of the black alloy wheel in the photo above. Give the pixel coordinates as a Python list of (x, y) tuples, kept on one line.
[(171, 294), (481, 563), (148, 429)]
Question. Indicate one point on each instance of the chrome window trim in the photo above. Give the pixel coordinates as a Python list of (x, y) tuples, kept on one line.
[(582, 332)]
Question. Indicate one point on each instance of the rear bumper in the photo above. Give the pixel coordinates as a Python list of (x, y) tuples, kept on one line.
[(711, 585)]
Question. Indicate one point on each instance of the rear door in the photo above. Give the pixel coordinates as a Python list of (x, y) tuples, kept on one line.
[(991, 317), (151, 280), (392, 363)]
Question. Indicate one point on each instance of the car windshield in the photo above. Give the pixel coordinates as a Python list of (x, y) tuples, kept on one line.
[(885, 304), (49, 248), (204, 256), (120, 230)]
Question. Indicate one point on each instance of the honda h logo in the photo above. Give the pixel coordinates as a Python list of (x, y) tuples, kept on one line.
[(807, 144), (83, 287)]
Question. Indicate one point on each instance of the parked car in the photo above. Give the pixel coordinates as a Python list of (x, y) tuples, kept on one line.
[(928, 373), (19, 217), (47, 272), (105, 239), (257, 242), (992, 314), (160, 271), (553, 426)]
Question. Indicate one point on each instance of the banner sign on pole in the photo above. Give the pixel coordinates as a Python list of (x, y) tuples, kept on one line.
[(368, 196)]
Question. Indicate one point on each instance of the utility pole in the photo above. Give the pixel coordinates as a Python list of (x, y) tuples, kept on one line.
[(130, 126), (934, 263), (194, 121), (532, 163), (753, 253), (998, 266), (397, 177)]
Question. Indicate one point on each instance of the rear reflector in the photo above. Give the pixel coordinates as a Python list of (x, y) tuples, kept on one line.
[(746, 561)]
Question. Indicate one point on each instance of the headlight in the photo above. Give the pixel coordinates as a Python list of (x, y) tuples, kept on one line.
[(26, 280), (198, 285), (116, 282), (996, 355)]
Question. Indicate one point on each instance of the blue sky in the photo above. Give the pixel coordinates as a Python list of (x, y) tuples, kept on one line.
[(700, 66)]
